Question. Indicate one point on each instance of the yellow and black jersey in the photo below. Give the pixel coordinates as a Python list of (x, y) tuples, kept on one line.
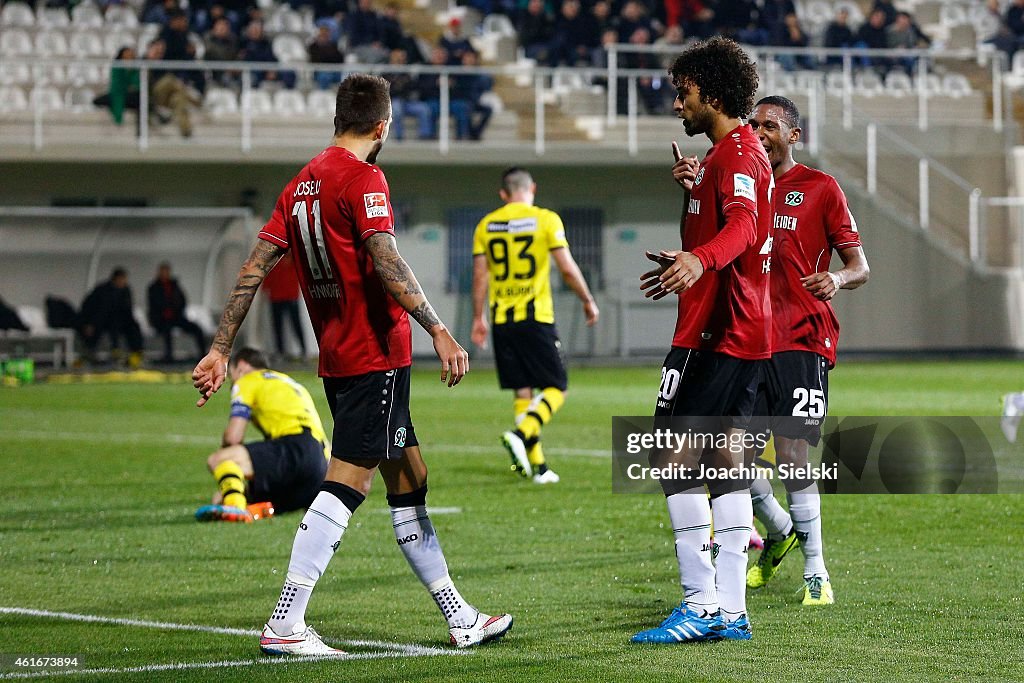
[(276, 404), (517, 240)]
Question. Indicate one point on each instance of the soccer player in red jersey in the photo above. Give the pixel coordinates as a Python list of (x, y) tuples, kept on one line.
[(336, 218), (722, 334), (812, 220)]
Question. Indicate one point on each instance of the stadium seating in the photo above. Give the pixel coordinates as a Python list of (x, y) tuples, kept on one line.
[(320, 103), (17, 14), (12, 100), (289, 103), (84, 44), (15, 73), (53, 17), (15, 42), (121, 16), (290, 49), (51, 44), (86, 15), (220, 102)]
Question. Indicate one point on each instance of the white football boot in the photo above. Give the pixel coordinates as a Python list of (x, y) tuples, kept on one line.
[(549, 477), (485, 629), (304, 643)]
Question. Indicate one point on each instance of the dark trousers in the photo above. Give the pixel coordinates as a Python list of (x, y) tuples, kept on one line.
[(290, 309), (115, 327), (189, 327)]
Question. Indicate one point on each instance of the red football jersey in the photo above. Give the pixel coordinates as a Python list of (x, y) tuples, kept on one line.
[(326, 212), (728, 310), (811, 219)]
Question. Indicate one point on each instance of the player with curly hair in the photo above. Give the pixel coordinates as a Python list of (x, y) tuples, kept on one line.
[(722, 338)]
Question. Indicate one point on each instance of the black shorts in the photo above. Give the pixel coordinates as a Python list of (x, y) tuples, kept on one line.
[(287, 471), (796, 394), (529, 355), (371, 415), (706, 383)]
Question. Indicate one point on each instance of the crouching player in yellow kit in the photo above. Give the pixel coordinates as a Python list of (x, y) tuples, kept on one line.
[(281, 473), (511, 269)]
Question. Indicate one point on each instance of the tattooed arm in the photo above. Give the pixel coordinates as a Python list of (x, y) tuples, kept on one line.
[(209, 374), (401, 283)]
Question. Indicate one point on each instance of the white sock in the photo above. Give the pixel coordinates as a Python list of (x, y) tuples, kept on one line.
[(805, 507), (690, 514), (767, 509), (733, 515), (315, 542), (418, 541)]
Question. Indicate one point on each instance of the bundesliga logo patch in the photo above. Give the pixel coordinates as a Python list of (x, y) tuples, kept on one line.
[(743, 186), (376, 204)]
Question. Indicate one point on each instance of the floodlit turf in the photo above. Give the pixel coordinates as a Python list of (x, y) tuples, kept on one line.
[(100, 483)]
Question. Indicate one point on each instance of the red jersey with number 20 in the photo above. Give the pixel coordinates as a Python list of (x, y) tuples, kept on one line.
[(728, 227), (811, 219), (324, 216)]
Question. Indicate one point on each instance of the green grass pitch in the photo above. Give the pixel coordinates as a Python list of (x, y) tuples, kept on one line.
[(100, 483)]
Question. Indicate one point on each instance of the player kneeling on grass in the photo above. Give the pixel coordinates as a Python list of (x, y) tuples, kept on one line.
[(337, 218), (281, 473)]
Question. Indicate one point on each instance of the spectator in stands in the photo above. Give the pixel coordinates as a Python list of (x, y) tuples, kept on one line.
[(601, 11), (429, 86), (772, 16), (1015, 18), (107, 310), (536, 30), (330, 9), (365, 37), (158, 11), (791, 35), (675, 38), (455, 42), (178, 48), (167, 311), (170, 92), (576, 36), (632, 17), (1002, 37), (694, 16), (888, 8), (648, 89), (904, 33), (470, 88), (324, 50), (391, 33), (222, 46), (404, 97), (740, 20), (871, 34), (256, 48), (124, 88), (838, 33)]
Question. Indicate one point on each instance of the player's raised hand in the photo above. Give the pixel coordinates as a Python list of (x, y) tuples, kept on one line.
[(208, 375), (454, 359), (822, 285), (684, 170), (650, 282), (479, 333)]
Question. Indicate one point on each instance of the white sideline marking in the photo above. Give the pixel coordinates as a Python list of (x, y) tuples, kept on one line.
[(389, 649), (497, 448)]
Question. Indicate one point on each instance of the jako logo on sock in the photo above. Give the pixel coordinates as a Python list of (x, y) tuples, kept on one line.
[(408, 539)]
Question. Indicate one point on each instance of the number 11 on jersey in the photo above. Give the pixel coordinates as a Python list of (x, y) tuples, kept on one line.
[(313, 240)]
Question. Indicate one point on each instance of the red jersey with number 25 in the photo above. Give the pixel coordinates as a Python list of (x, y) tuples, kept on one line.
[(728, 227), (811, 219), (324, 215)]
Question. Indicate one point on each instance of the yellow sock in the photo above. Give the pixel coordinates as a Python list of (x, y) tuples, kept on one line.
[(231, 483), (519, 408), (767, 459), (536, 456), (542, 407)]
